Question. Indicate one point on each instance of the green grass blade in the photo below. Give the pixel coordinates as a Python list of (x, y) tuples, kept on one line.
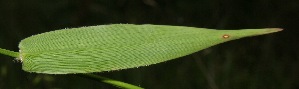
[(9, 53), (116, 83)]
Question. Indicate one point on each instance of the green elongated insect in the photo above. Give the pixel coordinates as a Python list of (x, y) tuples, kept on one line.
[(117, 46)]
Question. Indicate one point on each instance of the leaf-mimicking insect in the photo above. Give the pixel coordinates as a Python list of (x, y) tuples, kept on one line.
[(117, 46)]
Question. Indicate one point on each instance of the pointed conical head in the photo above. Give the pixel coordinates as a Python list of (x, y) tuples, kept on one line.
[(220, 36)]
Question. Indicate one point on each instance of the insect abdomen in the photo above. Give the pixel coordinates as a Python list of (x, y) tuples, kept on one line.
[(106, 48)]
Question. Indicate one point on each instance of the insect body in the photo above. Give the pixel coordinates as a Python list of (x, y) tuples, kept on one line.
[(118, 46)]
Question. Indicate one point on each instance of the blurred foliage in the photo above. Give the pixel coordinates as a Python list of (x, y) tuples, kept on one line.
[(263, 62)]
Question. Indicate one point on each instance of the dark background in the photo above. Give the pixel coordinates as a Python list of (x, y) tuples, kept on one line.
[(262, 62)]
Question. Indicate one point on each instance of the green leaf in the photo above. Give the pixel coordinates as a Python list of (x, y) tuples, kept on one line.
[(110, 81)]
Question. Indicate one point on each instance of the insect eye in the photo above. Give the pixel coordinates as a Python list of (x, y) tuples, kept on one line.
[(225, 36)]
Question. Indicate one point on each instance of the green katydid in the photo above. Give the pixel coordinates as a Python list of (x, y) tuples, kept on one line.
[(117, 46)]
